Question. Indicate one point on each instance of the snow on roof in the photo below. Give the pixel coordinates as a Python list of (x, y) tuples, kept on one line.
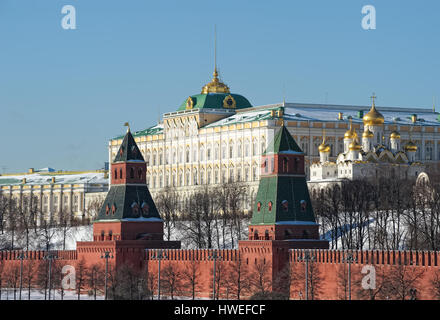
[(60, 178)]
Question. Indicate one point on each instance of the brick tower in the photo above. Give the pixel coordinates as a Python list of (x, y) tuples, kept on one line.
[(282, 209), (128, 221), (282, 217)]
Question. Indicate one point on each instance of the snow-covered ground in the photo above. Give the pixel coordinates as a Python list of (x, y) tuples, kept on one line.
[(8, 294)]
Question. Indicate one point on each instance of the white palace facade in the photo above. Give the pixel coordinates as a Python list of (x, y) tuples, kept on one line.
[(217, 137)]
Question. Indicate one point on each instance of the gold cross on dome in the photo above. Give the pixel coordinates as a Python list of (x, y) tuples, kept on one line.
[(373, 97)]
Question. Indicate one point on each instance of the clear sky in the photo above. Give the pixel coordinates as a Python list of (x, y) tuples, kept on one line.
[(65, 93)]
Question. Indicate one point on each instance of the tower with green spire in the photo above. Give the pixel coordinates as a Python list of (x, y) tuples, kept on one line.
[(282, 208)]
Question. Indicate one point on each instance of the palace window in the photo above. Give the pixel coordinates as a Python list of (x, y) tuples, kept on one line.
[(187, 155), (239, 151), (216, 176), (254, 147), (246, 148), (231, 150), (216, 152)]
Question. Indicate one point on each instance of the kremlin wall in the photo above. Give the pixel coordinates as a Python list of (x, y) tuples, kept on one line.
[(282, 232)]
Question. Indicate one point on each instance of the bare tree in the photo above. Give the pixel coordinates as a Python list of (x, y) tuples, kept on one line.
[(190, 276), (238, 278), (172, 279), (81, 271), (167, 202), (29, 275), (403, 279), (95, 278), (260, 278)]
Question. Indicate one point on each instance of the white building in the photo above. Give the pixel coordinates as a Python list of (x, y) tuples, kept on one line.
[(377, 154)]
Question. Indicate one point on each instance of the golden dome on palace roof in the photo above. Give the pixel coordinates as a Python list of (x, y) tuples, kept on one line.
[(367, 134), (215, 86), (395, 135), (411, 146), (373, 117)]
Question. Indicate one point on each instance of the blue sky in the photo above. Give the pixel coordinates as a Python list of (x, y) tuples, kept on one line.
[(65, 93)]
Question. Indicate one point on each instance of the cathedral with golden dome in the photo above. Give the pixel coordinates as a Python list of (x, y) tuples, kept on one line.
[(378, 154)]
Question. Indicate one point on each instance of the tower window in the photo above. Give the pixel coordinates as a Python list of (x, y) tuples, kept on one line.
[(259, 206), (131, 173), (120, 173), (140, 173), (285, 164), (116, 174), (270, 206)]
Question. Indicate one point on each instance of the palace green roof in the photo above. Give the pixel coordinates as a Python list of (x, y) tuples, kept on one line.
[(215, 101), (283, 142)]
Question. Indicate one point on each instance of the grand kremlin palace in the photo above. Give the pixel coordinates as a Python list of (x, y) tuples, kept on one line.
[(218, 136)]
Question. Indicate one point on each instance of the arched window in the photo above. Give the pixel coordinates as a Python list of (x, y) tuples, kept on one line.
[(285, 164), (139, 173), (259, 206), (107, 209), (266, 237), (102, 235), (113, 209), (116, 174), (110, 235), (131, 173), (120, 173), (256, 235), (270, 205)]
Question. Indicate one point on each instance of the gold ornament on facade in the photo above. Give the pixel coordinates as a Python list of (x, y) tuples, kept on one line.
[(215, 86), (373, 117), (229, 102), (189, 103)]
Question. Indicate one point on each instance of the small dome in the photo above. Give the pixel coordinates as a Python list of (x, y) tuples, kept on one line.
[(354, 146), (323, 147), (411, 146), (395, 135), (350, 133), (373, 117), (367, 134)]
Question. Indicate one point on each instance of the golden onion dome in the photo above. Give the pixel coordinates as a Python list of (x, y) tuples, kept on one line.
[(354, 146), (323, 147), (411, 146), (350, 133), (395, 135), (367, 134), (215, 86), (373, 117)]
